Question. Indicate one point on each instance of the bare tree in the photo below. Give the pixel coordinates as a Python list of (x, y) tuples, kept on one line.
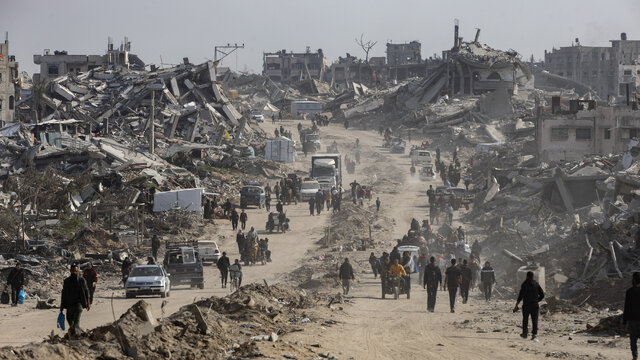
[(366, 46)]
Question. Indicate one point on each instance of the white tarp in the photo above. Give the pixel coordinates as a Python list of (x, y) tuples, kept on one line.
[(281, 149), (188, 199)]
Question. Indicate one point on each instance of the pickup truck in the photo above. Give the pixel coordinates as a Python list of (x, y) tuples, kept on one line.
[(183, 262)]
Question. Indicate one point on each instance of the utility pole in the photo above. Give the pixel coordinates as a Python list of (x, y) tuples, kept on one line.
[(232, 48), (153, 123)]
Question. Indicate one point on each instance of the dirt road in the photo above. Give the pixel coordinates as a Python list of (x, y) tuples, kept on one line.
[(369, 328)]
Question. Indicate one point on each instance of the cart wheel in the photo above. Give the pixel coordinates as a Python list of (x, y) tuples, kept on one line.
[(396, 292)]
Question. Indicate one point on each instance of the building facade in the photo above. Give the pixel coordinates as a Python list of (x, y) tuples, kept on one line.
[(9, 83), (613, 72), (602, 130), (61, 62), (292, 67)]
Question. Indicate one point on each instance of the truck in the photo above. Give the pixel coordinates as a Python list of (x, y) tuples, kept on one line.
[(182, 261), (327, 170)]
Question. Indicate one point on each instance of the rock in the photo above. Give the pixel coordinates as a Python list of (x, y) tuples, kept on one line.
[(273, 337), (560, 279)]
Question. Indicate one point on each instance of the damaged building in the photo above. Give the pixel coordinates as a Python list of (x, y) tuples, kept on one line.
[(613, 72), (9, 83), (289, 67), (61, 63)]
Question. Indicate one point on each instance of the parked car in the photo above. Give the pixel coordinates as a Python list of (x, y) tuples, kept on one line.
[(148, 280), (257, 117), (308, 190), (252, 195)]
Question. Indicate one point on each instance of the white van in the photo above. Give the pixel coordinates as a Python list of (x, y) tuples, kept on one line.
[(422, 157)]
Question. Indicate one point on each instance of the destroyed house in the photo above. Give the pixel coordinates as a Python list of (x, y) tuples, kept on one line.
[(61, 62), (610, 71), (292, 67)]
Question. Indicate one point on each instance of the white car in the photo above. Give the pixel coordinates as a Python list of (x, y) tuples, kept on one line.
[(308, 189), (209, 251), (148, 280), (257, 117)]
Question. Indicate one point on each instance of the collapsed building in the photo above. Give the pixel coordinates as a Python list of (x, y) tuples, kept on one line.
[(9, 83)]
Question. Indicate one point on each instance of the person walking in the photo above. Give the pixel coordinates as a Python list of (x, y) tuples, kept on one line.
[(385, 264), (16, 281), (243, 219), (450, 213), (155, 246), (467, 276), (373, 261), (452, 280), (234, 219), (75, 298), (312, 205), (346, 275), (530, 295), (487, 279), (631, 314), (241, 241), (378, 204), (223, 265), (125, 268), (90, 276), (267, 203), (279, 207), (432, 277)]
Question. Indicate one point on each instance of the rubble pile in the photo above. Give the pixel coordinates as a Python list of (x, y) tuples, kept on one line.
[(245, 324)]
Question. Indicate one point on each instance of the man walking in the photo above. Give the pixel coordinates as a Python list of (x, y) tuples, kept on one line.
[(223, 265), (234, 219), (452, 279), (373, 261), (90, 276), (243, 219), (631, 315), (530, 294), (155, 246), (312, 205), (16, 281), (240, 240), (432, 277), (377, 204), (75, 297), (466, 281), (487, 278), (346, 275)]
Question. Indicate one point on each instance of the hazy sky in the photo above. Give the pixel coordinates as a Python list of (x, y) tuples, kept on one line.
[(191, 28)]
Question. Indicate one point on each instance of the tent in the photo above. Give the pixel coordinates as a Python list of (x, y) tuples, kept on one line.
[(187, 199), (269, 110), (280, 149)]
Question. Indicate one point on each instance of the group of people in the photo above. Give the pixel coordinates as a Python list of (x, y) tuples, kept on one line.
[(438, 205), (251, 247), (330, 198)]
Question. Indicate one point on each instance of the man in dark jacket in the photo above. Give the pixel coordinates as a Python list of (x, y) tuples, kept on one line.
[(75, 297), (452, 279), (90, 276), (243, 219), (241, 240), (223, 265), (530, 294), (125, 269), (346, 275), (234, 219), (487, 279), (432, 277), (155, 246), (312, 205), (16, 280), (631, 315), (467, 276)]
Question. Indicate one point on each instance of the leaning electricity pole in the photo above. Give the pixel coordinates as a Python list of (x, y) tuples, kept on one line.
[(229, 48)]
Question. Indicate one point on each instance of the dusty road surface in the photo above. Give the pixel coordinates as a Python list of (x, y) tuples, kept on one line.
[(368, 327)]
